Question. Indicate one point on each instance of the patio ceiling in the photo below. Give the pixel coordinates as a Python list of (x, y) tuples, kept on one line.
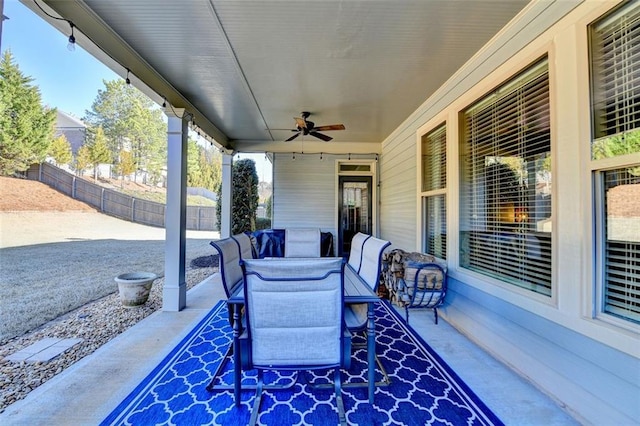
[(246, 68)]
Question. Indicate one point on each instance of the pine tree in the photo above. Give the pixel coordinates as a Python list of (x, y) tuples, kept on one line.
[(99, 151), (211, 166), (26, 127), (83, 159), (194, 174), (126, 164), (60, 150), (129, 120)]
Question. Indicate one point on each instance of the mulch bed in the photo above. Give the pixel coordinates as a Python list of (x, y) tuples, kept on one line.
[(205, 261)]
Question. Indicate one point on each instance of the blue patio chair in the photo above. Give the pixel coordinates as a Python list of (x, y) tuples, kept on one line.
[(232, 278), (229, 264), (355, 254), (369, 271), (302, 242), (246, 244), (295, 320)]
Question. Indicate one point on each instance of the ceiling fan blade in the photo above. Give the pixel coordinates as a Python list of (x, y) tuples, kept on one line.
[(330, 127), (321, 136), (301, 122), (293, 137)]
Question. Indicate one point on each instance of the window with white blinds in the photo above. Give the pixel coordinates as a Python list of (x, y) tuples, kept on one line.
[(434, 186), (615, 65), (622, 245), (615, 82), (505, 183)]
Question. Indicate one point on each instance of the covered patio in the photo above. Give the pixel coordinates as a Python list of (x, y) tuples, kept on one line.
[(471, 130), (87, 392)]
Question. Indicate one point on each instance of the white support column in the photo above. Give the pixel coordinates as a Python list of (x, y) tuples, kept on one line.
[(174, 295), (225, 208)]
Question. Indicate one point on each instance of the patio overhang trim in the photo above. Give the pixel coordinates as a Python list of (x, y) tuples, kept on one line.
[(309, 147), (115, 53)]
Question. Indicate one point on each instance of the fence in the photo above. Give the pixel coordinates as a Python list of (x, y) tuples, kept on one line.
[(117, 204)]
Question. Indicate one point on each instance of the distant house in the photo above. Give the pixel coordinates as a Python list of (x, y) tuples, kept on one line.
[(72, 128)]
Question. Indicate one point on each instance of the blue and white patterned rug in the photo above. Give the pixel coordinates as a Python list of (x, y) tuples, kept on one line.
[(423, 390)]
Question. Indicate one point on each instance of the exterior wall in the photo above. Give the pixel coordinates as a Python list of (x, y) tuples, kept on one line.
[(588, 364), (73, 129), (304, 192), (398, 192)]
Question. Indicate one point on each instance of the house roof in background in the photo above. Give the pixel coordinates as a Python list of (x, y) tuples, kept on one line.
[(65, 120)]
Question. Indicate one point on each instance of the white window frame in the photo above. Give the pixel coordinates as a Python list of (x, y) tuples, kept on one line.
[(533, 290), (425, 195), (598, 168)]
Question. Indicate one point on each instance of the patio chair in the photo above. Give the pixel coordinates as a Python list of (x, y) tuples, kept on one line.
[(355, 254), (369, 271), (229, 264), (295, 321), (232, 278), (302, 242), (246, 245)]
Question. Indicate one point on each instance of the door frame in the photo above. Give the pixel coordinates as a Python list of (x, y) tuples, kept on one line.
[(369, 170)]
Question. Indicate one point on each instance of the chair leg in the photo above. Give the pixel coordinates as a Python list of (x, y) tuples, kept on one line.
[(435, 313), (386, 380), (256, 404), (406, 313), (337, 379), (211, 386)]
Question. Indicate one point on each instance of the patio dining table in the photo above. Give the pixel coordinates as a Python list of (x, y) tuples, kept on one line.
[(355, 291)]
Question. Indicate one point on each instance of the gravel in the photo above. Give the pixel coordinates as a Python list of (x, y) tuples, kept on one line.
[(96, 323)]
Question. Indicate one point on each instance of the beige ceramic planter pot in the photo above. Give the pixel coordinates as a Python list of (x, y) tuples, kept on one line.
[(134, 287)]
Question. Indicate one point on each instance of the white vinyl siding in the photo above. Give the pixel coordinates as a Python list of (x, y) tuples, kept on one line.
[(615, 80), (398, 208), (304, 192)]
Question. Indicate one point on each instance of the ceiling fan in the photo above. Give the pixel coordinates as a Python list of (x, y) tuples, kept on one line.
[(306, 127)]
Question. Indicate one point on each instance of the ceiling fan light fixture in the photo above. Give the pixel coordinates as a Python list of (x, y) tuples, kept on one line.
[(305, 127)]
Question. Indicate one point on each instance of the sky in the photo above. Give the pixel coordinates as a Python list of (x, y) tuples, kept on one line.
[(67, 80)]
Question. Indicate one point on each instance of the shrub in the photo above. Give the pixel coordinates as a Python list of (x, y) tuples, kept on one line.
[(263, 223)]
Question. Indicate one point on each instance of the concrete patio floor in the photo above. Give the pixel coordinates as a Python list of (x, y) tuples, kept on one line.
[(85, 393)]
